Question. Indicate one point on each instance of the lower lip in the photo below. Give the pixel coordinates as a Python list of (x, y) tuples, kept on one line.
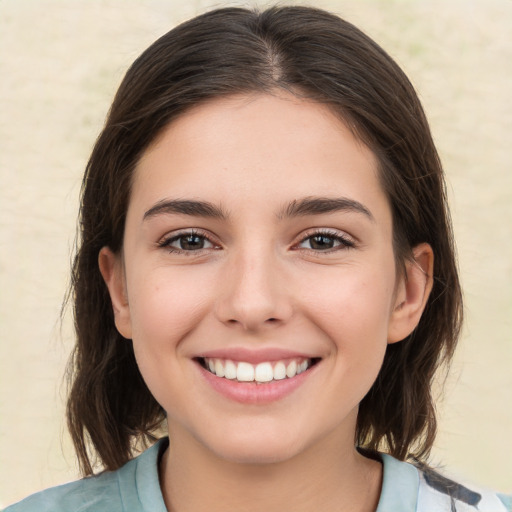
[(253, 392)]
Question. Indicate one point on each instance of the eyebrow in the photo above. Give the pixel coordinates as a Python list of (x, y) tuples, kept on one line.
[(296, 208), (321, 205), (187, 207)]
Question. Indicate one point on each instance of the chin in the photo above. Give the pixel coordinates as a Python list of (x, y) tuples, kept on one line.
[(250, 447), (257, 455)]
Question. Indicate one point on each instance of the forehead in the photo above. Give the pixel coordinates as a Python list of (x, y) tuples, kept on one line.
[(245, 149)]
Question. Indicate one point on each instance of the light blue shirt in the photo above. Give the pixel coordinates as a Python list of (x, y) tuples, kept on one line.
[(135, 488)]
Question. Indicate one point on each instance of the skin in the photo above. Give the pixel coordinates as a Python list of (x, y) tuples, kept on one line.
[(260, 281)]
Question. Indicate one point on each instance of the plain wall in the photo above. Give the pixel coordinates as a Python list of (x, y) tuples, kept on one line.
[(60, 63)]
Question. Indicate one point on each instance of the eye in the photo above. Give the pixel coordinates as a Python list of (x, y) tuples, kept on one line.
[(190, 241), (326, 241)]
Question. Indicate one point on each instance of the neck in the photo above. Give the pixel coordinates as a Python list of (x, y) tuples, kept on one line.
[(329, 476)]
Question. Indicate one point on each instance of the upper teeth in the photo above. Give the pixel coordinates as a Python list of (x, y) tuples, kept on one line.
[(262, 372)]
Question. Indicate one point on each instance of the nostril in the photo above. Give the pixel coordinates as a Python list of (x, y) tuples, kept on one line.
[(252, 324)]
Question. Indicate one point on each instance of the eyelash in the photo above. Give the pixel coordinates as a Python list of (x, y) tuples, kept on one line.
[(344, 241), (166, 242)]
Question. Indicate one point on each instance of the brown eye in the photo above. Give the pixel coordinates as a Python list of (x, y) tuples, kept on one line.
[(321, 242), (186, 242), (326, 241), (191, 242)]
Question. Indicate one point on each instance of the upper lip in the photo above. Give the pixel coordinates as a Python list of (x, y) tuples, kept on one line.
[(254, 356)]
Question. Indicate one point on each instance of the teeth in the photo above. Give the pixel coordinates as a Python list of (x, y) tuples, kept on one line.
[(244, 372), (291, 369), (219, 368), (262, 372), (279, 371), (230, 371), (302, 367)]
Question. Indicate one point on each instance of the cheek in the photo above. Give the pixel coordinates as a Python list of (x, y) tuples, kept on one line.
[(166, 305), (354, 312), (351, 301), (166, 308)]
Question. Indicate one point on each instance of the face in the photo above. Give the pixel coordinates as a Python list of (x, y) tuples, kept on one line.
[(257, 277)]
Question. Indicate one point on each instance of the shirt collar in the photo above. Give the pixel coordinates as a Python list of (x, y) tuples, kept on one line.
[(400, 485)]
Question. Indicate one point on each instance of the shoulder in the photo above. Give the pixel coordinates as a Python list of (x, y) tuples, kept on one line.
[(436, 490), (133, 488), (409, 487), (93, 493)]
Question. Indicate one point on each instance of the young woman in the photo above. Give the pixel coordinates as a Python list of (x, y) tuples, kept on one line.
[(266, 271)]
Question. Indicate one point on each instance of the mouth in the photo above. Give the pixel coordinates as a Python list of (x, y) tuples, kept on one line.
[(264, 372)]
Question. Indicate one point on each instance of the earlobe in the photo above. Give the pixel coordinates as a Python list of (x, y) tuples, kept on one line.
[(112, 270), (412, 293)]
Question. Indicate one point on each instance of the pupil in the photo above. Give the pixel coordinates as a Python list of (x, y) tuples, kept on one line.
[(192, 242), (322, 242)]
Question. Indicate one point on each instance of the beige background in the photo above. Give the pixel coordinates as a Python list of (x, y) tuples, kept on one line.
[(60, 63)]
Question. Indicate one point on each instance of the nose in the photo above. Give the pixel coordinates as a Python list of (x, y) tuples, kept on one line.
[(253, 293)]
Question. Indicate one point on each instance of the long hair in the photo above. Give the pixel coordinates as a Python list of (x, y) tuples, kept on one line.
[(312, 54)]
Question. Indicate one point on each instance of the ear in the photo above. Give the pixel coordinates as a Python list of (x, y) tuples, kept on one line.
[(412, 293), (112, 269)]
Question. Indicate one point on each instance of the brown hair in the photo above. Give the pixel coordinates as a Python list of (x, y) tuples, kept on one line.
[(312, 54)]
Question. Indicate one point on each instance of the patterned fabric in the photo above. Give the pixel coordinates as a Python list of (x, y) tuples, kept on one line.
[(439, 493), (135, 488)]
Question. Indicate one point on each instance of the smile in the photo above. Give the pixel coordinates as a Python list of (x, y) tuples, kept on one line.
[(261, 373)]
